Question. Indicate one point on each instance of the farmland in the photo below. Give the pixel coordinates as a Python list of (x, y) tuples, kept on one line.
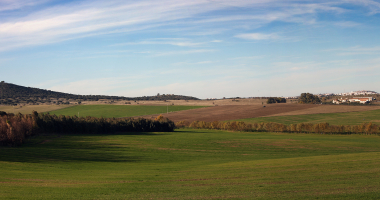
[(234, 112), (350, 118), (192, 164), (198, 163), (29, 108), (119, 110)]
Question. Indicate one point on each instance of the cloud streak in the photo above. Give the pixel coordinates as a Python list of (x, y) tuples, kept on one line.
[(89, 18), (164, 41), (357, 50), (258, 36)]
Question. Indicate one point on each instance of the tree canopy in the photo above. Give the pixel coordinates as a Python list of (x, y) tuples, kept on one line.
[(276, 100), (309, 98)]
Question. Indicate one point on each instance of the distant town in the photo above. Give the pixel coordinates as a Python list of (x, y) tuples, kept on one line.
[(360, 97), (352, 93)]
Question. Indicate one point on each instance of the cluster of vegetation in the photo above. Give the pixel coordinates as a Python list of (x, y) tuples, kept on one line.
[(276, 100), (163, 97), (308, 98), (324, 128), (11, 94), (32, 101), (14, 129)]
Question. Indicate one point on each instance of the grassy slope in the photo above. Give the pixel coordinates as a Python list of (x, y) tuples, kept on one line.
[(351, 118), (193, 164), (118, 110)]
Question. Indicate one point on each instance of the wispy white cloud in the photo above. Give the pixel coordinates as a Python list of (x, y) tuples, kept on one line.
[(248, 57), (90, 18), (164, 41), (7, 5), (357, 50), (193, 63), (206, 32), (170, 53), (297, 65), (257, 36), (373, 6), (3, 60), (347, 24)]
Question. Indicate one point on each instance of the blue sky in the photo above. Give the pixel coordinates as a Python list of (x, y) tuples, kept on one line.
[(201, 48)]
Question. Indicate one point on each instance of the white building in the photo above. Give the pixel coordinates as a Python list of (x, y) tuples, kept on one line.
[(362, 100)]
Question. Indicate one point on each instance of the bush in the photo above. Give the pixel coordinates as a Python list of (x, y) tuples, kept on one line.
[(323, 128), (15, 128)]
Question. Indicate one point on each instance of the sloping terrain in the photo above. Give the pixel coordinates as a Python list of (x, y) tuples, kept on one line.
[(231, 112), (11, 94), (329, 109), (234, 112)]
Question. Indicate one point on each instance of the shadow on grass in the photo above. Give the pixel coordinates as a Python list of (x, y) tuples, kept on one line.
[(192, 131), (142, 133), (72, 148)]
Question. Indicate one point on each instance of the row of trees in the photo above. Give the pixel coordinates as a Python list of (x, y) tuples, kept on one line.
[(15, 128), (324, 128)]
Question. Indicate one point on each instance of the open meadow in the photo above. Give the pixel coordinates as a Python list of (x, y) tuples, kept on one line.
[(108, 111), (192, 164)]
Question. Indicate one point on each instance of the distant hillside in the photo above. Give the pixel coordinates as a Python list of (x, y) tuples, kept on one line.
[(11, 94), (8, 90)]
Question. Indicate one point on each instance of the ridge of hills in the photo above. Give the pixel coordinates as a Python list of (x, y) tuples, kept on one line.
[(12, 94)]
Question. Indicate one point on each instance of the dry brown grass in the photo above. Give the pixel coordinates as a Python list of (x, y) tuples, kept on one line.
[(28, 109)]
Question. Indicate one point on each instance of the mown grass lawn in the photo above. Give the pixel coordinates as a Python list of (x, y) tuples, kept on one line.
[(118, 110), (350, 118), (192, 164)]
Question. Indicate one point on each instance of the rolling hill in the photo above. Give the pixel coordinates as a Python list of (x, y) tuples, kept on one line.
[(11, 94)]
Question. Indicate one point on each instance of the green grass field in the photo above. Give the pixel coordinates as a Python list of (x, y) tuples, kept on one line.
[(118, 110), (192, 164), (350, 118)]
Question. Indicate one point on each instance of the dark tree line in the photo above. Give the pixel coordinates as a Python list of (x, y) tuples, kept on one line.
[(308, 98), (15, 128), (276, 100)]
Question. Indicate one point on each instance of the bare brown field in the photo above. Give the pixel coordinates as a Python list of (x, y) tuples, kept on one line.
[(28, 109), (232, 112)]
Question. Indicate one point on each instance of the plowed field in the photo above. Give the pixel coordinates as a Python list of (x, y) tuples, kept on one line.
[(231, 112)]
